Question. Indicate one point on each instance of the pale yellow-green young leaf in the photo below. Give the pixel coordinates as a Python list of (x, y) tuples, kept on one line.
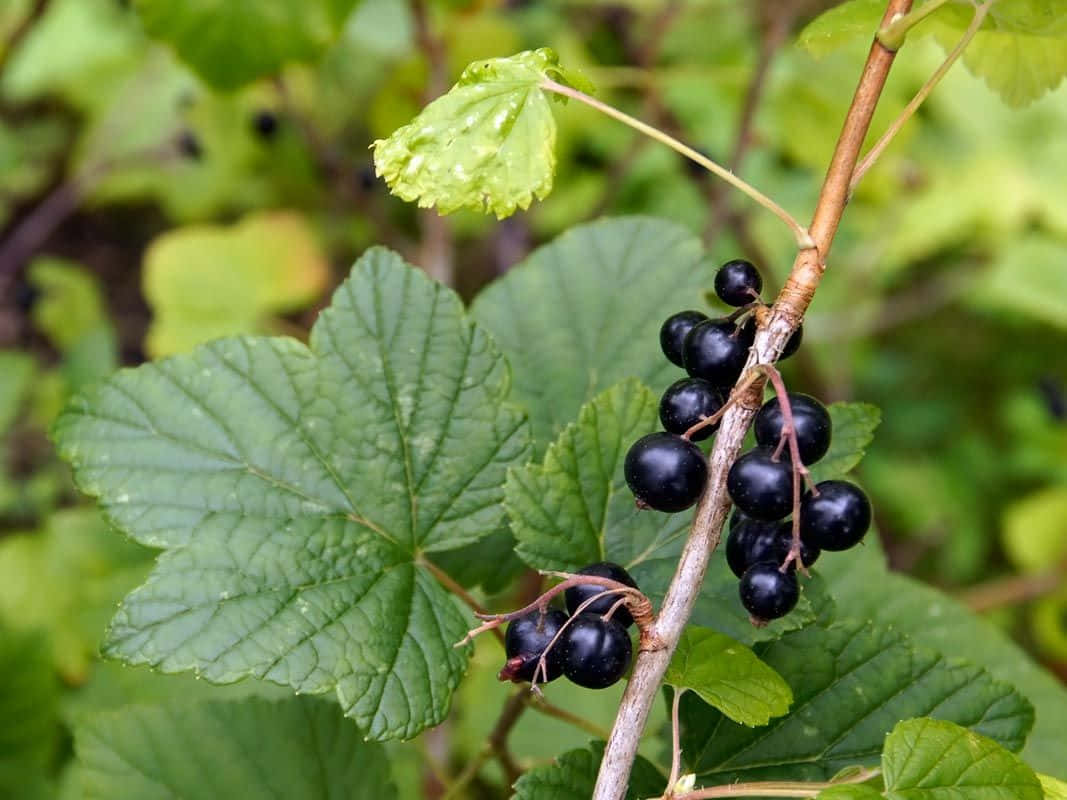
[(488, 144), (1033, 529), (1054, 788)]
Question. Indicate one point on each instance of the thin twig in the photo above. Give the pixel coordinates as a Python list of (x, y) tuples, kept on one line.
[(676, 741), (803, 237), (450, 583), (1011, 591), (15, 39), (495, 745), (542, 706), (880, 146), (771, 336), (778, 788)]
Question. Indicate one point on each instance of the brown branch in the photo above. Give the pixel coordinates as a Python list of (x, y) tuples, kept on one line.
[(451, 585), (1011, 591), (771, 337), (11, 45)]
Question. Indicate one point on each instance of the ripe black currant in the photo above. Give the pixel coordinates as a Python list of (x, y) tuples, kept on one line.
[(524, 642), (792, 343), (716, 350), (837, 518), (666, 472), (189, 145), (738, 282), (595, 652), (754, 540), (576, 595), (673, 332), (265, 123), (811, 421), (768, 593), (760, 486), (688, 401)]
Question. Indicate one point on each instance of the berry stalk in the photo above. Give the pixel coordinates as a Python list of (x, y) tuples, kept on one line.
[(785, 316)]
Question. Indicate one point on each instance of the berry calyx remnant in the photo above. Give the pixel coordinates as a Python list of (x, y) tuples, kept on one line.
[(524, 643), (665, 472)]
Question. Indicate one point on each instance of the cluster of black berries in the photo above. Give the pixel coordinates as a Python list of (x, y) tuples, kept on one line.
[(834, 515), (668, 472), (594, 647)]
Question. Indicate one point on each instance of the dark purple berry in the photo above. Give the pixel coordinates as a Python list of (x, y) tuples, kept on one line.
[(666, 472), (265, 123), (738, 283), (753, 541), (810, 418), (189, 145), (768, 593), (716, 350), (595, 652), (524, 642), (760, 486), (576, 595), (687, 402), (675, 329), (837, 518)]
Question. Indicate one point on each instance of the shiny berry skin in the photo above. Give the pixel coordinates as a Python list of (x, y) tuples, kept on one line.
[(524, 642), (673, 332), (666, 472), (685, 403), (792, 344), (760, 487), (766, 592), (595, 652), (812, 422), (576, 595), (738, 283), (837, 518), (753, 541), (716, 350)]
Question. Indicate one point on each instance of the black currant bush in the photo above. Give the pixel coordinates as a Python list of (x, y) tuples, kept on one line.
[(418, 504)]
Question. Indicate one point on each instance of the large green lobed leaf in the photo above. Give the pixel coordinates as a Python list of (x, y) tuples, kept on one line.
[(252, 748), (583, 313), (573, 775), (298, 490)]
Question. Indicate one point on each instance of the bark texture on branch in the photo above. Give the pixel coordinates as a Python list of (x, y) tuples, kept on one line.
[(788, 309)]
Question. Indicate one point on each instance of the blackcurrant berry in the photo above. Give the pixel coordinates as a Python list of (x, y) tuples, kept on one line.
[(686, 402), (753, 541), (666, 472), (26, 296), (675, 329), (811, 421), (716, 350), (768, 593), (792, 343), (596, 652), (738, 282), (761, 487), (837, 517), (524, 642), (265, 123), (576, 595)]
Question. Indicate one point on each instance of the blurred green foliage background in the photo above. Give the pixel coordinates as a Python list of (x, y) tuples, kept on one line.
[(167, 177)]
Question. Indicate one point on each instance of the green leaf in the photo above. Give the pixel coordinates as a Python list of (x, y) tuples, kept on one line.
[(849, 792), (842, 25), (583, 313), (1019, 51), (728, 676), (1054, 789), (29, 693), (66, 580), (575, 508), (208, 281), (1033, 529), (933, 619), (851, 682), (926, 759), (249, 748), (573, 776), (297, 490), (71, 305), (488, 144), (233, 43), (853, 426)]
